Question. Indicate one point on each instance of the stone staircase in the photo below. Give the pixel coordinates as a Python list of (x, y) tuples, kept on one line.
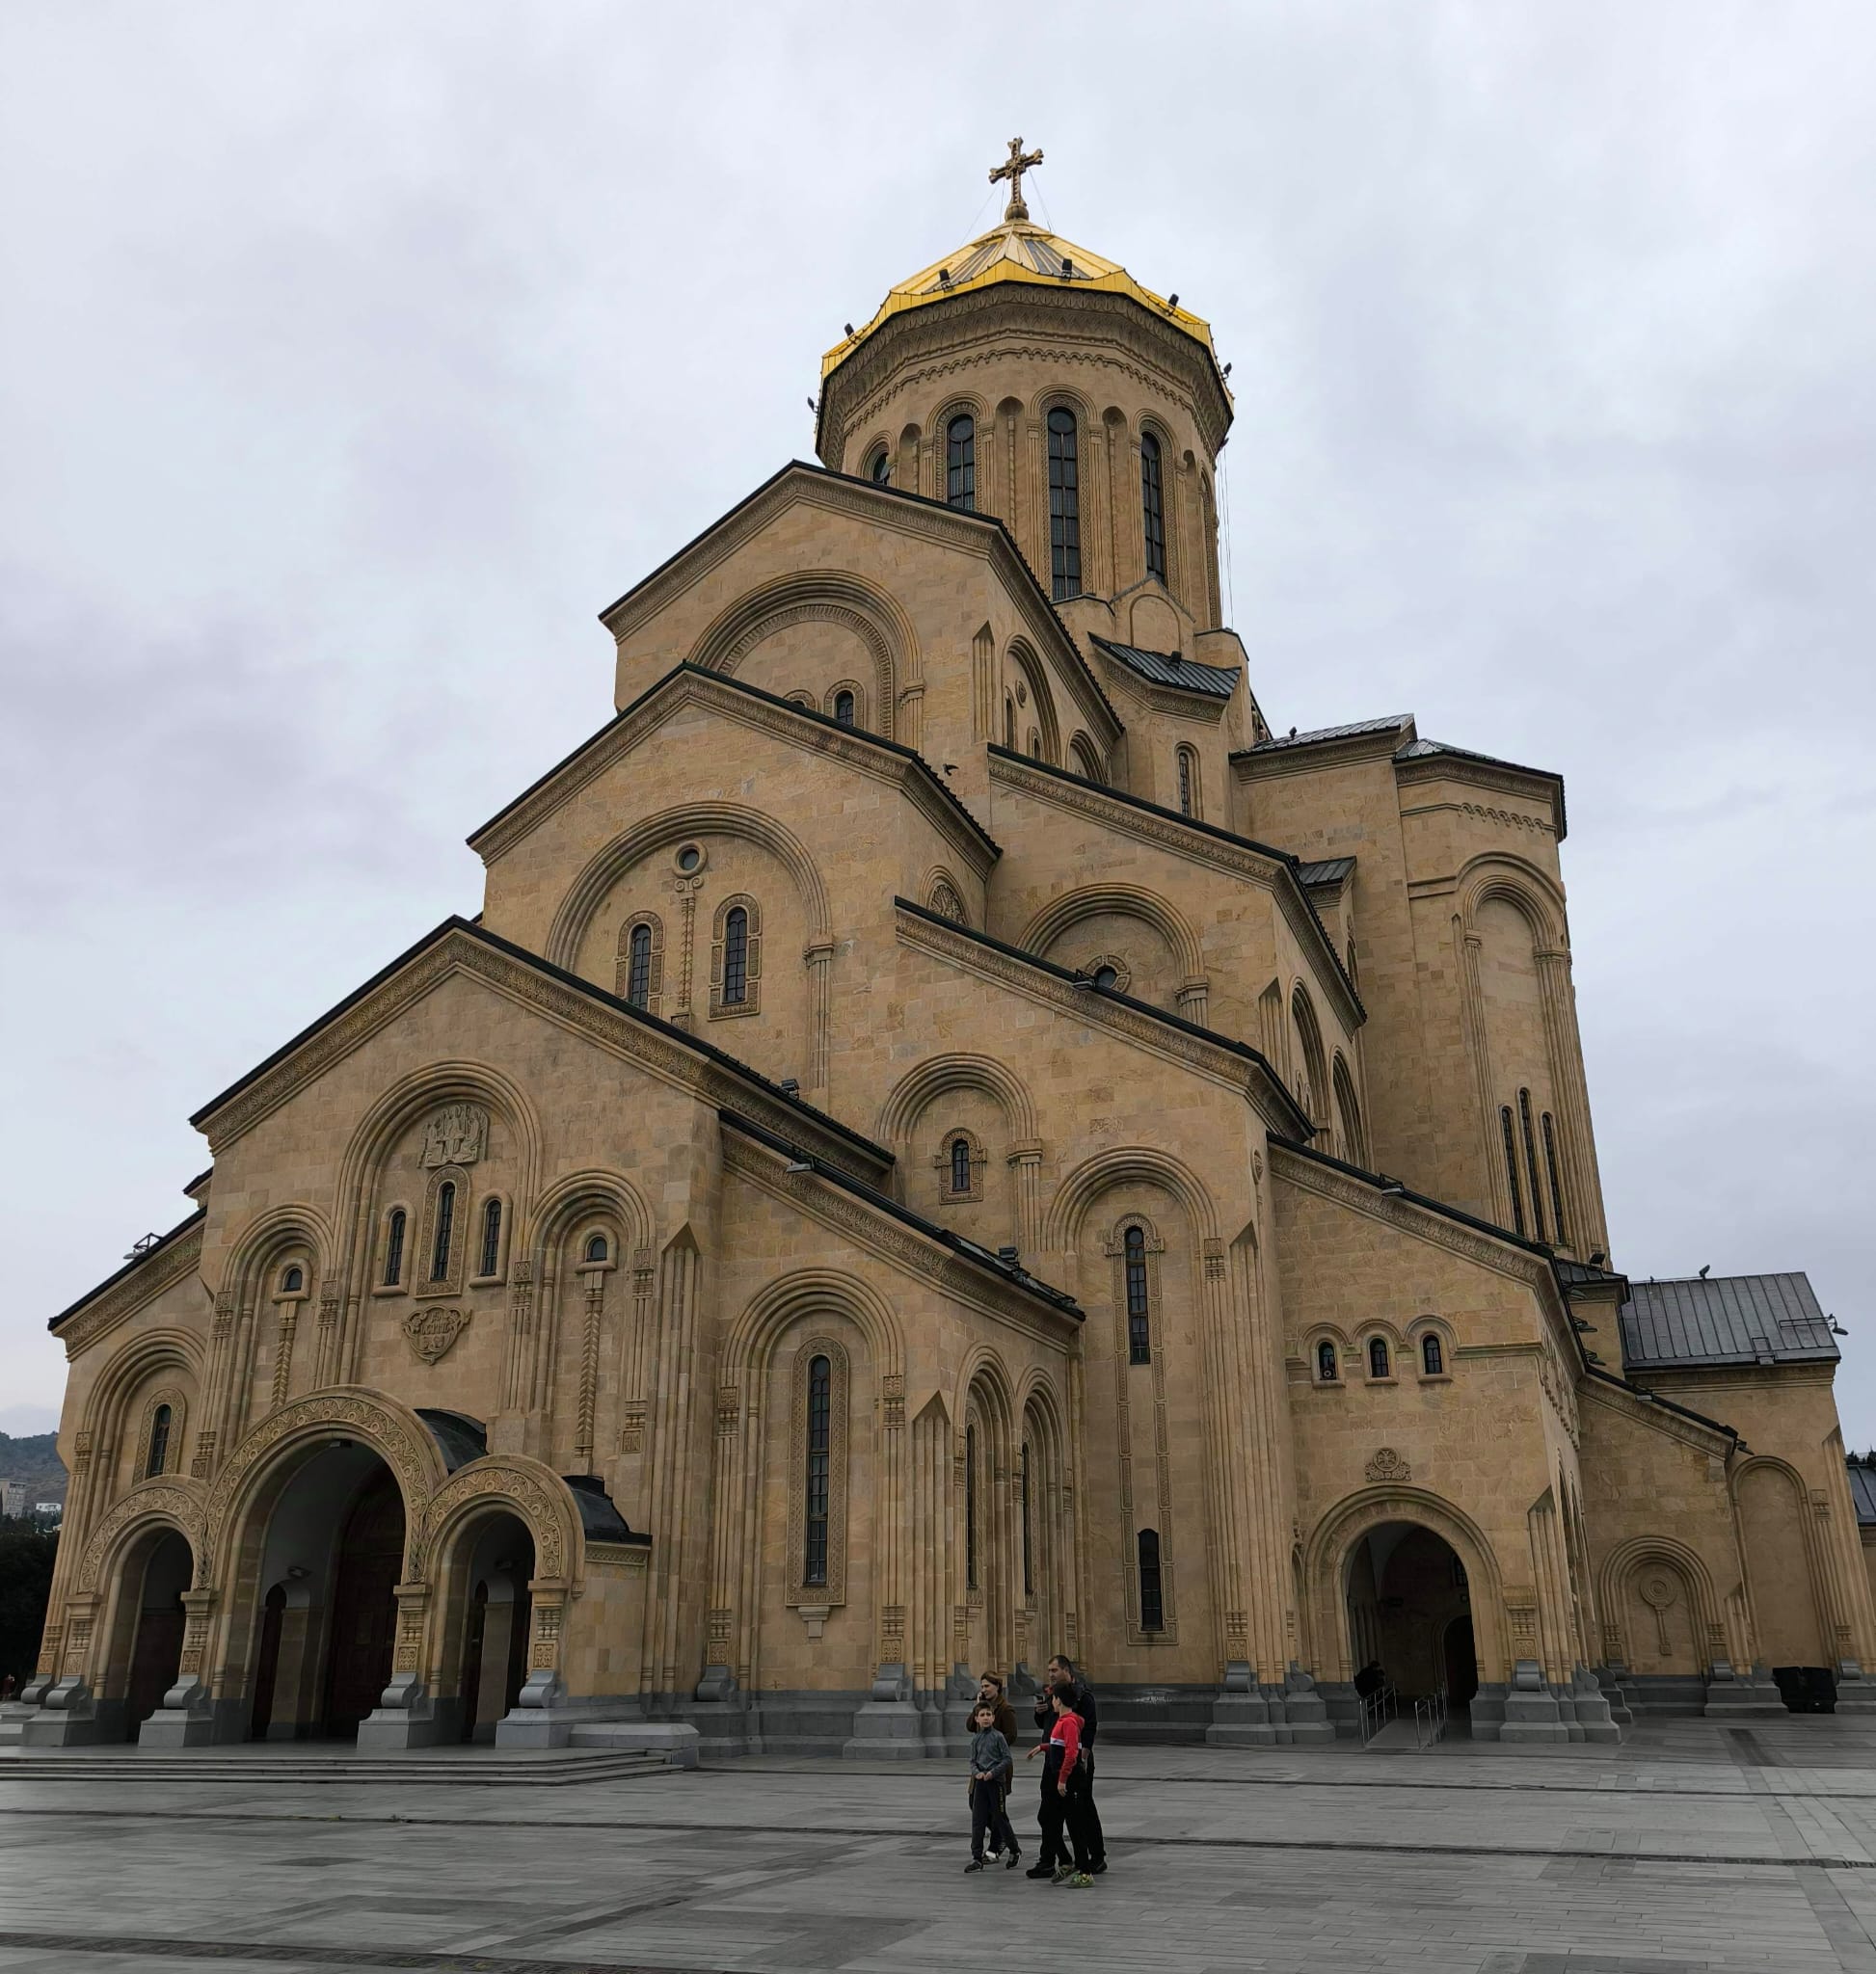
[(262, 1765)]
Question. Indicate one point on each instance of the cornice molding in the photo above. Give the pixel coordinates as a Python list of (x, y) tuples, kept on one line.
[(1271, 869), (529, 984), (1528, 784), (1218, 1064), (977, 534), (1317, 756), (689, 686), (178, 1257), (893, 1242), (1200, 707), (1635, 1407)]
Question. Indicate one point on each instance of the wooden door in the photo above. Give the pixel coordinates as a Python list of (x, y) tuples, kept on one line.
[(364, 1606)]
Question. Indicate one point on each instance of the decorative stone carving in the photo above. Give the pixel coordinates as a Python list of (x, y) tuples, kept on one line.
[(432, 1330), (456, 1136), (1660, 1592), (1388, 1465)]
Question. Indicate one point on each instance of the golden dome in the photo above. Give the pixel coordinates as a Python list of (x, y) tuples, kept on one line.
[(1018, 250)]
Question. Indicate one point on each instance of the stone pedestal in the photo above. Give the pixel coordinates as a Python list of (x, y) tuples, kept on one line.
[(886, 1725), (1305, 1712), (1243, 1715), (1855, 1695), (403, 1716), (67, 1716), (184, 1719), (1592, 1717), (1732, 1696), (1531, 1710)]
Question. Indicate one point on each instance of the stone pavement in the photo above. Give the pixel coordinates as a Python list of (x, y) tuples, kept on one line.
[(1692, 1847)]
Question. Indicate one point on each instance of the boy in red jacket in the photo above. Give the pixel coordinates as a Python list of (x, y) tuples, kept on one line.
[(1063, 1795)]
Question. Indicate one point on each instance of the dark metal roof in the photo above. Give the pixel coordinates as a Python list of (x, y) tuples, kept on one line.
[(1325, 870), (1166, 668), (1862, 1492), (1424, 750), (599, 1513), (459, 1439), (1725, 1320), (1391, 723)]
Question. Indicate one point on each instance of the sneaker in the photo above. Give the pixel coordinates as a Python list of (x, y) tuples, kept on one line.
[(1012, 1860), (1041, 1871), (1098, 1869), (1081, 1878), (1062, 1873), (976, 1864), (996, 1857)]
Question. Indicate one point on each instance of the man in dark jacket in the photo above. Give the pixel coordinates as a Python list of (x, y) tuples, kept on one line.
[(1062, 1675)]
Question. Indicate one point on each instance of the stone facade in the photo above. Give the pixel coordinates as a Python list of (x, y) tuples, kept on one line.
[(893, 1182)]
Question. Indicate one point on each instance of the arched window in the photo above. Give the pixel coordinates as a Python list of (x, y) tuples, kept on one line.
[(1377, 1365), (446, 1225), (596, 1249), (1064, 505), (1511, 1168), (159, 1441), (1140, 1342), (1187, 782), (293, 1282), (843, 707), (1433, 1357), (879, 467), (1556, 1186), (962, 462), (1531, 1160), (491, 1238), (970, 1507), (1152, 500), (394, 1247), (1023, 1481), (1009, 723), (820, 1407), (736, 958), (960, 1165), (1035, 745), (1152, 1603), (1326, 1362), (638, 967)]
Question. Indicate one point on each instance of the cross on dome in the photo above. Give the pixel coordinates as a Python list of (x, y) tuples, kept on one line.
[(1013, 168)]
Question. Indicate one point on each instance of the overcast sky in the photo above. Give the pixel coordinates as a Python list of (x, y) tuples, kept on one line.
[(351, 357)]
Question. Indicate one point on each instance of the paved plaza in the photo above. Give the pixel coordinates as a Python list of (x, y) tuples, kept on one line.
[(1691, 1847)]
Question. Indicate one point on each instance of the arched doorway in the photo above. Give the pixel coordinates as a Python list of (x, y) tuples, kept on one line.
[(156, 1650), (1410, 1611), (498, 1611)]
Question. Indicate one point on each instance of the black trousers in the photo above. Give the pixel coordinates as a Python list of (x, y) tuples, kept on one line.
[(987, 1813), (1063, 1818), (1097, 1844)]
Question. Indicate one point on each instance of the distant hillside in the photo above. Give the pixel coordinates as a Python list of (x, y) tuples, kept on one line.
[(34, 1459)]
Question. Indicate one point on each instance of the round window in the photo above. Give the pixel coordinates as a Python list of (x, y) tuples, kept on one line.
[(690, 858), (1106, 976)]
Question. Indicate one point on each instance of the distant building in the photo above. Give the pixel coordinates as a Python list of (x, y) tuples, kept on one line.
[(13, 1498)]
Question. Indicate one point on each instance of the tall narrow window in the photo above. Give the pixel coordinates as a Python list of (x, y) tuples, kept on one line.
[(638, 967), (1187, 782), (844, 708), (1152, 1603), (879, 467), (821, 1395), (971, 1507), (394, 1249), (159, 1442), (1064, 505), (960, 1165), (446, 1225), (1140, 1342), (1009, 724), (736, 958), (961, 463), (1152, 502), (1531, 1160), (491, 1238), (1326, 1362), (1029, 1567), (1377, 1365), (1433, 1356), (1511, 1168), (1556, 1183)]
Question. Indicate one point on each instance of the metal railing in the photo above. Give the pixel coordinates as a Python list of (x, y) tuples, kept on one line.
[(1430, 1718), (1378, 1709)]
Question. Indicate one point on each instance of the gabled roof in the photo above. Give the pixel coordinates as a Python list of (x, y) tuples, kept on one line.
[(753, 1080), (994, 530), (1862, 1492), (1432, 750), (914, 761), (1325, 870), (139, 1259), (1280, 743), (1168, 668), (1010, 1272), (1725, 1320)]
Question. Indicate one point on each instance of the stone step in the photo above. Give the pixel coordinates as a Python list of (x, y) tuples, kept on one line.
[(451, 1768)]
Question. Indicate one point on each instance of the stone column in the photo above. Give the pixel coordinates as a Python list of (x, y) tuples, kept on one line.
[(819, 958), (1026, 1171), (185, 1717), (1195, 999)]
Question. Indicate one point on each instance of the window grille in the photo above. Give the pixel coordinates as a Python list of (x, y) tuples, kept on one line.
[(638, 967), (1511, 1169), (490, 1236), (1139, 1346), (1531, 1160), (159, 1442), (821, 1388), (1064, 505), (736, 958), (1556, 1184), (1377, 1365), (394, 1249), (961, 463), (1152, 506), (1433, 1357), (446, 1225), (1152, 1604)]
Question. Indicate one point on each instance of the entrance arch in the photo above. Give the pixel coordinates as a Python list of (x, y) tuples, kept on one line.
[(491, 1607), (159, 1572), (1408, 1605)]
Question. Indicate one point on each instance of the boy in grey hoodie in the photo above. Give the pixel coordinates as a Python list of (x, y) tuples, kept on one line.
[(990, 1761)]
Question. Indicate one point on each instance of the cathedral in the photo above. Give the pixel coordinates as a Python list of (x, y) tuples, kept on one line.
[(950, 1139)]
